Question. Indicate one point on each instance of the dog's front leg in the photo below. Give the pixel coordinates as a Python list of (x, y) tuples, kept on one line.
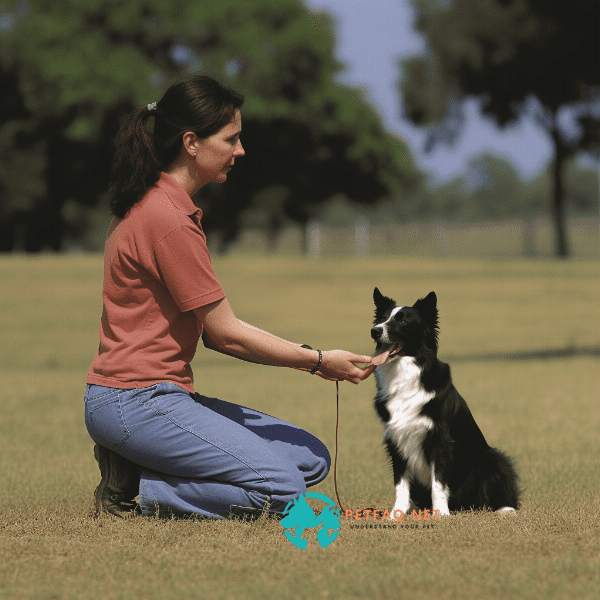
[(402, 503), (440, 494), (401, 481)]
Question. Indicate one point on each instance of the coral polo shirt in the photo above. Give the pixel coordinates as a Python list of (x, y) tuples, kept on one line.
[(156, 270)]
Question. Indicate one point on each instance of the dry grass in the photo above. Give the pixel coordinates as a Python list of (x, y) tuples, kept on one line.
[(543, 412)]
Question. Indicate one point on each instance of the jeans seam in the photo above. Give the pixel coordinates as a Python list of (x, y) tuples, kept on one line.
[(117, 400), (122, 420), (219, 447), (262, 477), (98, 396)]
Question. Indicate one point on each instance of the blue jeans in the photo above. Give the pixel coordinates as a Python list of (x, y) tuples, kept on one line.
[(203, 455)]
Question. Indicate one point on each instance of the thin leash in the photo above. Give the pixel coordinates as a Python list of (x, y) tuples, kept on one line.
[(337, 420)]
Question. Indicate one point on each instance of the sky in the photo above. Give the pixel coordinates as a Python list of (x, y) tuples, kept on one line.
[(371, 36)]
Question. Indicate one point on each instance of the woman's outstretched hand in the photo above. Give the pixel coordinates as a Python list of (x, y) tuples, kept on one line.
[(338, 365)]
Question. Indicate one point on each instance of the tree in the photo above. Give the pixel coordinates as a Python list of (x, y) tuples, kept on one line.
[(71, 70), (519, 57)]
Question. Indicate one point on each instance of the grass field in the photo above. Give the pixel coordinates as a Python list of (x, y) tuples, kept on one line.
[(522, 337)]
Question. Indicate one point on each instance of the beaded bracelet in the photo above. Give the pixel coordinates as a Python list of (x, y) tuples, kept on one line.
[(313, 371)]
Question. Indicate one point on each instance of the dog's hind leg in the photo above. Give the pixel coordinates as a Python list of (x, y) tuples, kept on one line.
[(440, 494)]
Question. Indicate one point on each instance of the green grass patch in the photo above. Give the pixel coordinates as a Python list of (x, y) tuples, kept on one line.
[(544, 413)]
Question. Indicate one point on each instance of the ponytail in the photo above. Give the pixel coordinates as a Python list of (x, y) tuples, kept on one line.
[(135, 167), (199, 104)]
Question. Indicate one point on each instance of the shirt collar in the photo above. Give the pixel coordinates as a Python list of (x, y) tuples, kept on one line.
[(178, 196)]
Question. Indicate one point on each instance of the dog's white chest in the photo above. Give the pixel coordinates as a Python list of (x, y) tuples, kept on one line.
[(400, 382)]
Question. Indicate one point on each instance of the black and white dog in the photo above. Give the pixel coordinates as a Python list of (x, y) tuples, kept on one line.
[(439, 456)]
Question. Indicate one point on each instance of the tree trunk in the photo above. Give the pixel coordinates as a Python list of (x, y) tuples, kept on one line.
[(561, 152)]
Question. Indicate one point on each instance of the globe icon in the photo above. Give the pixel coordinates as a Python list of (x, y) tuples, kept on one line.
[(299, 516)]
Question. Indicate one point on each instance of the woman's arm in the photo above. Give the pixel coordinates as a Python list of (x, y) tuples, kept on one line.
[(224, 332)]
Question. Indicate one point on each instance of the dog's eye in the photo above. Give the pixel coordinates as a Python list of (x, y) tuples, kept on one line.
[(403, 322)]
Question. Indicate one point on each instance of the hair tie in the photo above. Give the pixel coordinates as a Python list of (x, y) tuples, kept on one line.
[(151, 106)]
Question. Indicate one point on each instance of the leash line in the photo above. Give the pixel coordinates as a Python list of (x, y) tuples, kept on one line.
[(337, 420)]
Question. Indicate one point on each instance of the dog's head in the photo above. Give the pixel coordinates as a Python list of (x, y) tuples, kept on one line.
[(405, 330)]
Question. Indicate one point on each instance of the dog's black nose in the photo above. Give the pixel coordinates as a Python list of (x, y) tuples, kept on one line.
[(376, 333)]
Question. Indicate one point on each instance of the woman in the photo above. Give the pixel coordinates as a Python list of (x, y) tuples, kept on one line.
[(183, 452)]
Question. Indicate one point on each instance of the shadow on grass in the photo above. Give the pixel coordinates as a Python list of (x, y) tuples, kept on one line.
[(546, 354)]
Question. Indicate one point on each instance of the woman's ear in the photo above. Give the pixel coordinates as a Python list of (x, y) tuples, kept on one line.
[(190, 143)]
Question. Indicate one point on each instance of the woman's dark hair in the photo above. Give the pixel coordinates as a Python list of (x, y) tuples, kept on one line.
[(199, 104)]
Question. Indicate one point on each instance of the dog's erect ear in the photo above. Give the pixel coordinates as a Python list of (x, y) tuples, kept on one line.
[(431, 298), (382, 304), (427, 308)]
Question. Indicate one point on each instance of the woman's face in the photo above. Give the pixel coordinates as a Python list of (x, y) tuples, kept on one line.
[(216, 154)]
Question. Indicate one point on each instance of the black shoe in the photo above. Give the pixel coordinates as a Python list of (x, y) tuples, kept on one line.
[(119, 486), (244, 513)]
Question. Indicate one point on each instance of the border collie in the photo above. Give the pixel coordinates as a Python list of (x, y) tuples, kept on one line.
[(439, 456)]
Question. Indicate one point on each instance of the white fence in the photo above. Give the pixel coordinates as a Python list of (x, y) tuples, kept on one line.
[(493, 239)]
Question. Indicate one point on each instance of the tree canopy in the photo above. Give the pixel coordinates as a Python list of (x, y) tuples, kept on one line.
[(70, 70), (519, 57)]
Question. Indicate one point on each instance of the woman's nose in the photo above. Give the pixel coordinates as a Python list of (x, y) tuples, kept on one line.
[(239, 149)]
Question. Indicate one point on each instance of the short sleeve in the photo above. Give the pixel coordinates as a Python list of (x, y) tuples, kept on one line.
[(184, 265)]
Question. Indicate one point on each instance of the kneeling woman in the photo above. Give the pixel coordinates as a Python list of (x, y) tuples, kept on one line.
[(185, 453)]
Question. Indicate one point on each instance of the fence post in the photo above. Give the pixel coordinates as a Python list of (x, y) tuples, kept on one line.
[(313, 237), (440, 237), (361, 237), (528, 226)]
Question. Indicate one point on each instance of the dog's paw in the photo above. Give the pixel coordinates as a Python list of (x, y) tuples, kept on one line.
[(442, 511), (507, 510), (400, 513)]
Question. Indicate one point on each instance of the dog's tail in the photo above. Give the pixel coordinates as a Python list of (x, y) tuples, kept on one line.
[(498, 481)]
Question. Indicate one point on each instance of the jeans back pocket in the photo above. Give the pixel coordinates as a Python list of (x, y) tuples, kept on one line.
[(104, 418)]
